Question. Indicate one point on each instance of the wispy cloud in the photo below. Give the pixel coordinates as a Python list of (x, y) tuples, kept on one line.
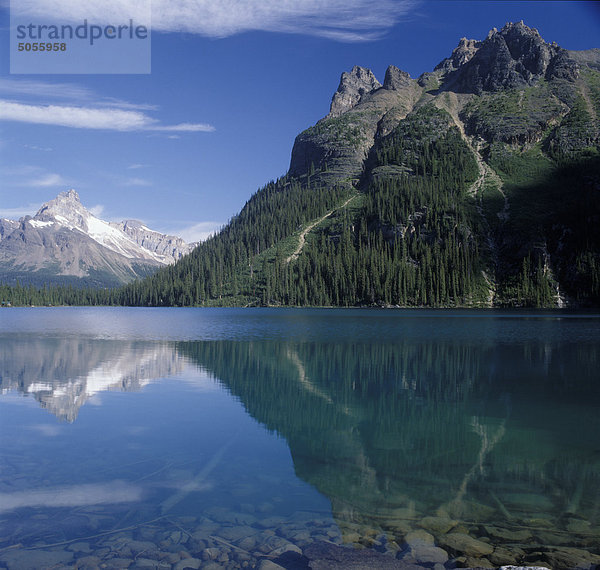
[(342, 20), (40, 148), (185, 127), (50, 91), (136, 166), (136, 182), (30, 176), (97, 210), (47, 181), (90, 118), (19, 212), (197, 232), (25, 87)]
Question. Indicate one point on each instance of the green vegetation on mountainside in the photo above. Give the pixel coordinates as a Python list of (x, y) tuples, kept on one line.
[(410, 243)]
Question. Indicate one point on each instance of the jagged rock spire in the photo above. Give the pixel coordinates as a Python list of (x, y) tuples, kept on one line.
[(515, 56), (353, 85)]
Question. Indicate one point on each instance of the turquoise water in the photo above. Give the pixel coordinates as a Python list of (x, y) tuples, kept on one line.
[(145, 437)]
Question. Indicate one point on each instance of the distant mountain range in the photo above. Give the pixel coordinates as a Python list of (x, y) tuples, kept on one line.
[(65, 243)]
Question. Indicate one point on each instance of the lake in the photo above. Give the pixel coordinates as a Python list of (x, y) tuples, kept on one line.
[(266, 438)]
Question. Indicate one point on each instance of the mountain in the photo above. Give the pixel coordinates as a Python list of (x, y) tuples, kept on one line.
[(474, 185), (64, 240)]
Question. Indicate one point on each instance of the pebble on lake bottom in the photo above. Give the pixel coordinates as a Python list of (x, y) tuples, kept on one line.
[(246, 540)]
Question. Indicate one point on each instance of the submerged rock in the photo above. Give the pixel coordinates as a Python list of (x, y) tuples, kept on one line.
[(193, 563), (19, 559), (473, 562), (438, 525), (326, 556), (508, 535), (235, 533), (572, 558), (422, 549), (502, 556), (466, 544), (120, 562), (578, 526), (269, 565)]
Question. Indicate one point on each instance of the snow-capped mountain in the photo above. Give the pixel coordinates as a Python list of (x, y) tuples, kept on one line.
[(64, 239)]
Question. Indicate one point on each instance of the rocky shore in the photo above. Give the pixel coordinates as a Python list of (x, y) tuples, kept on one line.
[(221, 538)]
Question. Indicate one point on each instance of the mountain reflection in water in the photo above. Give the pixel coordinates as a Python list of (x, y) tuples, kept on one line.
[(64, 373), (395, 432), (397, 435)]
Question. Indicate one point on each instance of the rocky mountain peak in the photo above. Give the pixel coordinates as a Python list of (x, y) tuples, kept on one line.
[(69, 196), (461, 54), (66, 239), (395, 78), (353, 85), (171, 248), (66, 205), (513, 57), (7, 227)]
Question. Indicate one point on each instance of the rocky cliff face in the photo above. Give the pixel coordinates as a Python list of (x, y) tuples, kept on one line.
[(7, 227), (498, 70), (65, 239), (353, 85), (170, 248), (519, 102), (514, 57), (334, 150)]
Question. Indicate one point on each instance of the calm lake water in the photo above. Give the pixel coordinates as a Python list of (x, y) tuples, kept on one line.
[(207, 438)]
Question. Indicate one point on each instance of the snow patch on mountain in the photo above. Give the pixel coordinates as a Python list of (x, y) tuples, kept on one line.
[(67, 211), (64, 239)]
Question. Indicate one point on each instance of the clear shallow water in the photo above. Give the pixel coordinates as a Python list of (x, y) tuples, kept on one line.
[(453, 437)]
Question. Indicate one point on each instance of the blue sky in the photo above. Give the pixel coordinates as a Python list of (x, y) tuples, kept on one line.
[(232, 83)]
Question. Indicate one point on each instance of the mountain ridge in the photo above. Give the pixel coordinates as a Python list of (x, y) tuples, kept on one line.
[(64, 239)]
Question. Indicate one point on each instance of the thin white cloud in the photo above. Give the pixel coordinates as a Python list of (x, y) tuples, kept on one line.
[(90, 118), (30, 176), (40, 148), (97, 210), (13, 86), (342, 20), (47, 181), (136, 182), (197, 232), (16, 213), (20, 170), (51, 91), (135, 166), (186, 127)]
